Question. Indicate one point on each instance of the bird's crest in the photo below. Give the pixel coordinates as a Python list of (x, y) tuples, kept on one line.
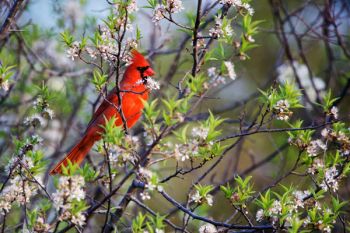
[(138, 58)]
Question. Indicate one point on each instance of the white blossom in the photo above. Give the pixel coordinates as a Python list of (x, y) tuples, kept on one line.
[(330, 179), (228, 2), (181, 152), (200, 132), (158, 13), (238, 4), (24, 160), (132, 6), (315, 147), (78, 219), (150, 186), (218, 81), (316, 165), (145, 173), (248, 8), (48, 113), (160, 188), (35, 120), (212, 72), (41, 226), (197, 198), (325, 133), (43, 107), (70, 189), (307, 221), (334, 112), (129, 27), (209, 199), (250, 39), (276, 208), (73, 52), (152, 84), (299, 197), (282, 110), (92, 53), (120, 155), (105, 33), (4, 84), (108, 52), (230, 70), (215, 79), (327, 229), (132, 43), (228, 31), (281, 105), (207, 228), (260, 215), (19, 191), (145, 196), (216, 31), (5, 203), (174, 6)]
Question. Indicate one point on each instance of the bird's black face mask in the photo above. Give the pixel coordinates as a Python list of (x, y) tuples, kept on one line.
[(142, 70)]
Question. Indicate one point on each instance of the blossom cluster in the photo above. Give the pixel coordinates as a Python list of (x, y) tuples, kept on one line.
[(207, 228), (119, 155), (340, 138), (4, 84), (185, 151), (150, 83), (43, 113), (239, 5), (70, 193), (217, 78), (316, 147), (106, 41), (21, 189), (289, 208), (172, 6), (151, 180), (222, 28), (200, 199), (216, 31), (41, 225), (282, 111), (330, 179), (5, 75), (334, 141), (73, 51)]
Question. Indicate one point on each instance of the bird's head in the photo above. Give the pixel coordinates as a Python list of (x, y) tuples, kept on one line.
[(138, 71), (141, 64)]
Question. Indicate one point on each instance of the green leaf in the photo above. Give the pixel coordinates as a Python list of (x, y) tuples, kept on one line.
[(99, 79), (67, 38)]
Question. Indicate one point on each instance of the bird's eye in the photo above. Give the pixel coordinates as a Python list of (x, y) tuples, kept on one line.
[(142, 68)]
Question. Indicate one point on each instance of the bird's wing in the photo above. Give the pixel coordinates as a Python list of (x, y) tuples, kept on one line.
[(111, 98)]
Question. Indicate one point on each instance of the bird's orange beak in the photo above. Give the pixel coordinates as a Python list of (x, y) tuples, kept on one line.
[(149, 72)]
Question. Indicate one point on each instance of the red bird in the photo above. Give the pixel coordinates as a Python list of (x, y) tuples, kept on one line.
[(133, 92)]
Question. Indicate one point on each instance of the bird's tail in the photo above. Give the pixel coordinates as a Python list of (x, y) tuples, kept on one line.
[(76, 155)]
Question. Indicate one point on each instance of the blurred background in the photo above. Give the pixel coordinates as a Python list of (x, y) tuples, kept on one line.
[(266, 157)]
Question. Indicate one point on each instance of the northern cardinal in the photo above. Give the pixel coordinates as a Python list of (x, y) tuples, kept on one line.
[(133, 91)]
